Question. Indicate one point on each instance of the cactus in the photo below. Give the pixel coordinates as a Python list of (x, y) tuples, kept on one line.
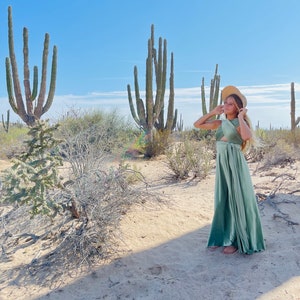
[(294, 122), (34, 105), (179, 124), (150, 116), (214, 93), (5, 124)]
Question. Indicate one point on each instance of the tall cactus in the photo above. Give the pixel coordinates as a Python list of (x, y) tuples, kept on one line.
[(149, 116), (35, 104), (294, 122), (214, 92)]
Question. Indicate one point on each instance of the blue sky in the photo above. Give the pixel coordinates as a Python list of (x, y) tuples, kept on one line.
[(255, 43)]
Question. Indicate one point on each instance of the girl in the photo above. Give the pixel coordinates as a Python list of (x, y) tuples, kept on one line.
[(236, 223)]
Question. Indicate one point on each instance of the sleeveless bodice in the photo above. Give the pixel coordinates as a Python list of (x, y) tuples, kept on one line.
[(228, 130)]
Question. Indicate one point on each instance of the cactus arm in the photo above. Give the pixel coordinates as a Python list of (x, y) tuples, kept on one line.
[(141, 108), (139, 103), (41, 97), (9, 86), (294, 121), (175, 120), (14, 69), (52, 81), (163, 76), (158, 75), (132, 110), (149, 90), (170, 121), (204, 109), (292, 106), (216, 84), (29, 106), (211, 95), (35, 83)]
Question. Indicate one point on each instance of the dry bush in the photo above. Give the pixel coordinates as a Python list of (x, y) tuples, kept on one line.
[(189, 158), (98, 200), (278, 153), (97, 193), (109, 130), (95, 197), (157, 145)]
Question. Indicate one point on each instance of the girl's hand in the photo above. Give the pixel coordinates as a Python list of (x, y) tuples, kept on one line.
[(218, 110), (242, 112)]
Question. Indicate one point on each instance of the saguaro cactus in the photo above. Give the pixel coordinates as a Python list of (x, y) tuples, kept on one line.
[(34, 105), (150, 116), (214, 92), (294, 122)]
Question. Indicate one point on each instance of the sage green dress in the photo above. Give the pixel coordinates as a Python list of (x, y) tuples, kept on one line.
[(236, 220)]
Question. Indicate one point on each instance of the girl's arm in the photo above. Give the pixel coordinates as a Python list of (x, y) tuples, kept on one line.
[(205, 123)]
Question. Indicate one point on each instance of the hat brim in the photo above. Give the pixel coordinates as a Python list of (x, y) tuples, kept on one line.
[(230, 90)]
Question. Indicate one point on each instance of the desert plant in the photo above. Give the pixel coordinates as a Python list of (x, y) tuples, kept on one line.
[(28, 111), (179, 125), (189, 158), (150, 116), (98, 194), (278, 153), (107, 131), (214, 93), (5, 124), (294, 121), (34, 173), (157, 145)]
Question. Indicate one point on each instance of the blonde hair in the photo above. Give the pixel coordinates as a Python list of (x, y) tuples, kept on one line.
[(253, 141)]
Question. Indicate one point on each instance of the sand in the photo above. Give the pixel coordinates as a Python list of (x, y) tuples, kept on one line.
[(163, 249)]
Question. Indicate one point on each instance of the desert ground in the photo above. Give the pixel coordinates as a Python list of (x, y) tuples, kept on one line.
[(163, 252)]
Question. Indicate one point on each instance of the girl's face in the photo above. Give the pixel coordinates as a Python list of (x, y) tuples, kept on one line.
[(230, 107)]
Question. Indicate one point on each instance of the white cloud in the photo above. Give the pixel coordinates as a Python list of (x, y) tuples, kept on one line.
[(268, 104)]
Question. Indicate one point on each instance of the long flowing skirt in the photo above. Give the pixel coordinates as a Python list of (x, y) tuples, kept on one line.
[(236, 218)]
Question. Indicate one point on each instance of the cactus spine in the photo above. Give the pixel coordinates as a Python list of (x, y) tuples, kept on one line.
[(214, 92), (294, 122), (28, 112), (150, 116)]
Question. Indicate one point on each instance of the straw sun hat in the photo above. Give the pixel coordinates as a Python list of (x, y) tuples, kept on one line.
[(229, 90)]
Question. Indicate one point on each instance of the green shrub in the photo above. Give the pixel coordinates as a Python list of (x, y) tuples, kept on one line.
[(190, 158), (109, 131)]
